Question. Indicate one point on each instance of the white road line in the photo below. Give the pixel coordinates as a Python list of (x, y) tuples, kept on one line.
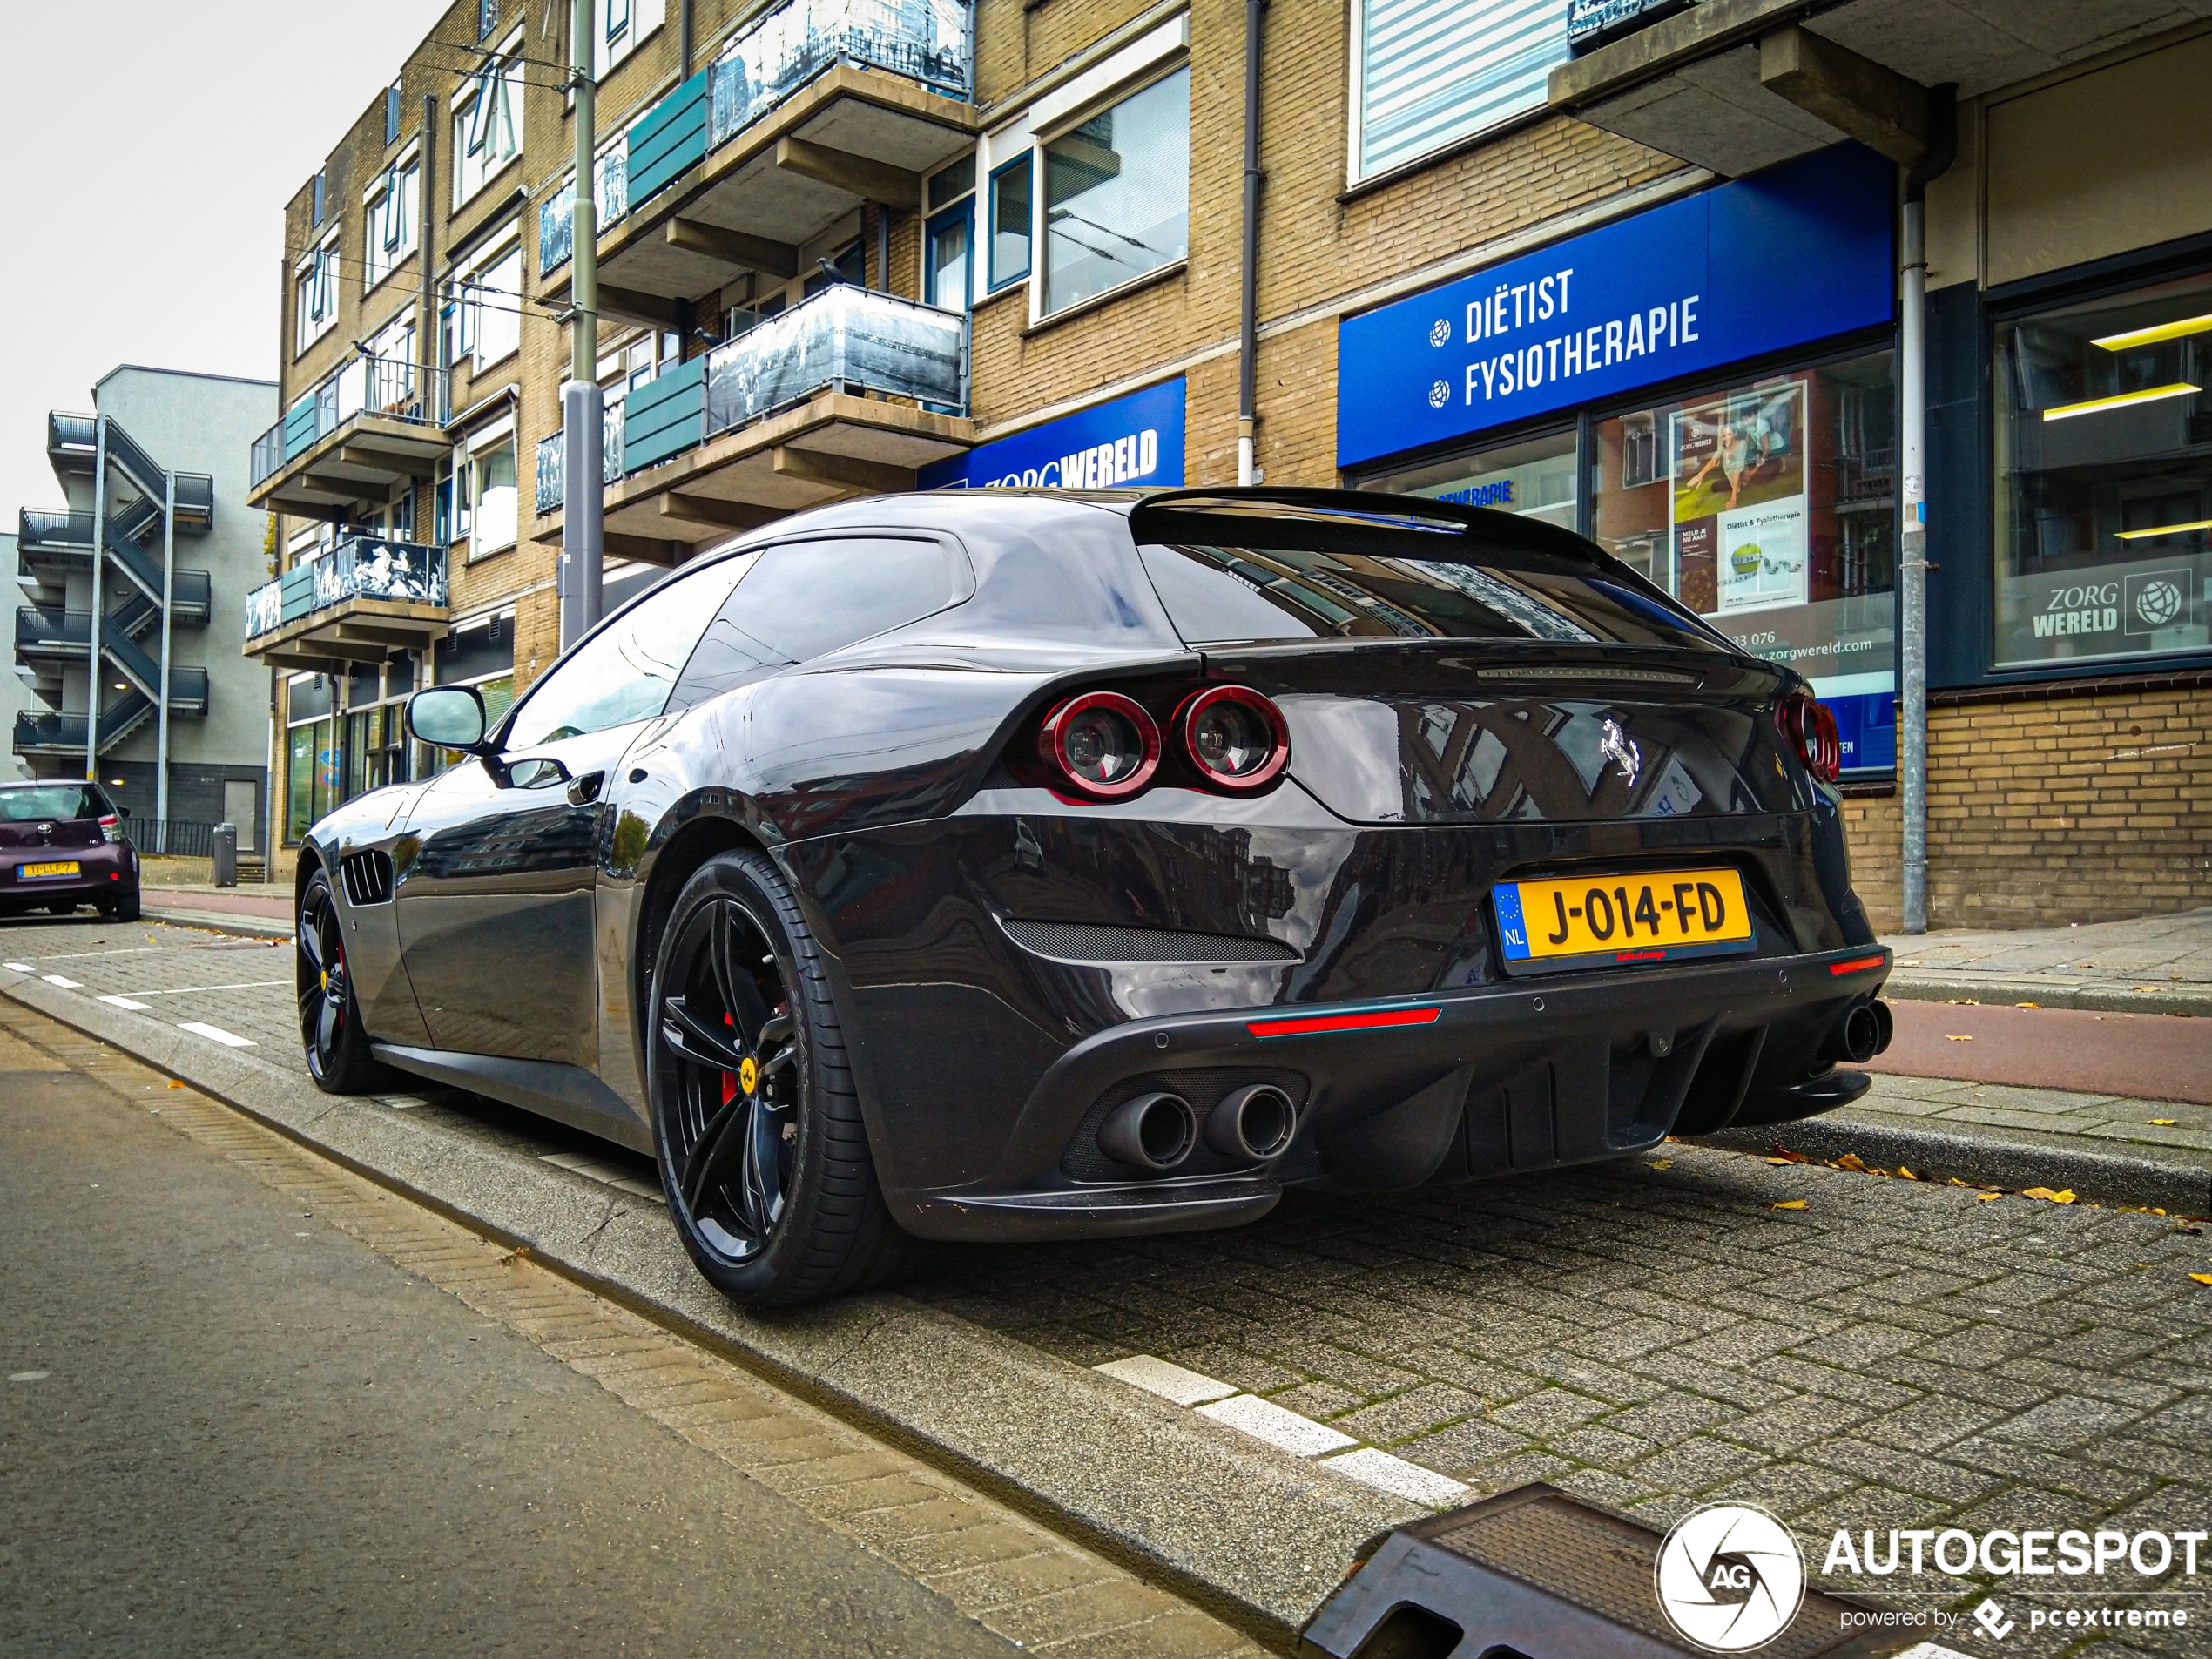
[(1399, 1478), (1157, 1376), (122, 1002), (215, 1034), (188, 990), (18, 968), (66, 984), (1265, 1421), (81, 955)]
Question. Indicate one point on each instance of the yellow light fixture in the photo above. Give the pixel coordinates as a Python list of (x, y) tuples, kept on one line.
[(2165, 529), (2151, 336), (2097, 405)]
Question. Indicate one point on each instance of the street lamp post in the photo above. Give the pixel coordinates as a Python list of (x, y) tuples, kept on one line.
[(583, 405)]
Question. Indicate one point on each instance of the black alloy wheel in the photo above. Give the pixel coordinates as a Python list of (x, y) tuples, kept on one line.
[(330, 1027), (763, 1154)]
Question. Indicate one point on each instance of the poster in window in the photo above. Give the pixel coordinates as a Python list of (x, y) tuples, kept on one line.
[(1741, 529)]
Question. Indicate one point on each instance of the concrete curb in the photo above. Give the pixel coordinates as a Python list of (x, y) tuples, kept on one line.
[(2009, 1158), (1244, 1531), (220, 922), (2101, 996)]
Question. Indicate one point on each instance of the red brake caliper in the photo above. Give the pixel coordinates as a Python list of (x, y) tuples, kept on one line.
[(729, 1078)]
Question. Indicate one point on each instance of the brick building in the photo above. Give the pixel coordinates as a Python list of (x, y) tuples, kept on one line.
[(1633, 268)]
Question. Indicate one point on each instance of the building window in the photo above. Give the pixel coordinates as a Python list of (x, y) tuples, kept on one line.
[(316, 289), (486, 483), (1117, 194), (1769, 507), (390, 363), (2104, 478), (390, 219), (391, 115), (488, 122), (1009, 207), (1426, 73), (624, 25), (315, 201), (487, 18), (489, 325), (849, 264), (946, 271)]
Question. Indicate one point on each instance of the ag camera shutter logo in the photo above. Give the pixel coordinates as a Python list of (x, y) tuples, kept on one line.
[(1730, 1577)]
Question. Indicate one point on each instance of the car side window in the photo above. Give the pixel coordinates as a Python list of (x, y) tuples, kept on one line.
[(625, 672), (804, 599)]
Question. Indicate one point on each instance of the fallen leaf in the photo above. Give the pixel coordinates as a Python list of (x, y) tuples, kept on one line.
[(521, 1252), (1906, 1171), (1784, 1162), (2066, 1195), (1950, 1038), (2202, 1278), (2163, 1122), (1962, 1001), (1789, 1204), (2150, 987), (173, 1084), (2027, 1005), (1987, 1197), (1660, 1163), (1787, 1157), (1852, 1161)]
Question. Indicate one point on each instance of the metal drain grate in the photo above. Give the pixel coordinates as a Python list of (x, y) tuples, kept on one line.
[(1539, 1573)]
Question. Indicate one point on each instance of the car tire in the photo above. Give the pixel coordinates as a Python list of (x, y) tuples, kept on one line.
[(330, 1022), (747, 1070), (127, 907)]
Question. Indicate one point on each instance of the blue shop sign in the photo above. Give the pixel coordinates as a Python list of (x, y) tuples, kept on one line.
[(1796, 253), (1132, 440)]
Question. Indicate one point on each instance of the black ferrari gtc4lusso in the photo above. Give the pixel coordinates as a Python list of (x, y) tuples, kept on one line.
[(1016, 865)]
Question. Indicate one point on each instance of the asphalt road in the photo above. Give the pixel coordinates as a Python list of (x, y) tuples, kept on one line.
[(228, 1428), (2145, 1056)]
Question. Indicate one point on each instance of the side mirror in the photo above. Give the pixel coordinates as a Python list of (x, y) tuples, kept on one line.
[(449, 716)]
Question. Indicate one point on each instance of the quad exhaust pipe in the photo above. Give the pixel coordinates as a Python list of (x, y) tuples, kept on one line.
[(1865, 1031), (1158, 1131)]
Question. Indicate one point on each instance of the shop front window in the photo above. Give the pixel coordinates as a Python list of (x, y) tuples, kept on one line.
[(1769, 508), (2104, 478), (1534, 477)]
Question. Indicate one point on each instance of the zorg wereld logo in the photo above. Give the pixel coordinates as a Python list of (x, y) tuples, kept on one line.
[(1730, 1577)]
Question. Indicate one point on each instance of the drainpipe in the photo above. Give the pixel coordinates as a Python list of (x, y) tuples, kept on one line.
[(168, 602), (1913, 564), (427, 342), (582, 404), (1248, 307), (684, 40), (99, 558)]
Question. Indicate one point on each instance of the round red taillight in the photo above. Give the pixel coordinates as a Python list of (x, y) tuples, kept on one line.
[(1235, 737), (1103, 744), (1811, 727)]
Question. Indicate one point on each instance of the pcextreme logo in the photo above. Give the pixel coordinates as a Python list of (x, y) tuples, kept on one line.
[(1730, 1577)]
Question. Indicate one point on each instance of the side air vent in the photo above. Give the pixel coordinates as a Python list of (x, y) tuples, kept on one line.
[(1075, 942), (368, 877)]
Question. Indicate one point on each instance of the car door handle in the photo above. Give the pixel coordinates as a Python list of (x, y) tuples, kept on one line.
[(585, 790)]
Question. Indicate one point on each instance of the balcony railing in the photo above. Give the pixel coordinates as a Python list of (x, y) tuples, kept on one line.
[(397, 389), (553, 460), (556, 214), (39, 628), (925, 40), (35, 732), (844, 336), (41, 529), (360, 567)]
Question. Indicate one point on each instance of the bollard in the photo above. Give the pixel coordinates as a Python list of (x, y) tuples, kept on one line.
[(225, 847)]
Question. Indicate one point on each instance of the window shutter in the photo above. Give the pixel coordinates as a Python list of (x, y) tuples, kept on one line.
[(1435, 71)]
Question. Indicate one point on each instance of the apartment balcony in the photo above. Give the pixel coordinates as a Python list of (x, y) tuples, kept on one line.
[(816, 107), (798, 412), (52, 635), (55, 545), (353, 436), (364, 599), (42, 734), (49, 734), (1736, 85), (556, 214)]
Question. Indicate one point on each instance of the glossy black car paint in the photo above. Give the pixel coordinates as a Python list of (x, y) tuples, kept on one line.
[(895, 783)]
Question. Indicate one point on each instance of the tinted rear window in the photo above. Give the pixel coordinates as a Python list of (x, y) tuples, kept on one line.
[(53, 802), (1420, 588)]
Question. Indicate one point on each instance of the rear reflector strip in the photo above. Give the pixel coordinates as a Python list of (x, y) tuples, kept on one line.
[(1857, 964), (1318, 1024)]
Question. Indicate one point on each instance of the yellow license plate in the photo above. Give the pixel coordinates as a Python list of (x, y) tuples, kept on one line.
[(35, 871), (1588, 920)]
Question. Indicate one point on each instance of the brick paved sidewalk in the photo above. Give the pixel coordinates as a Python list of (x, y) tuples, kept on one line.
[(2152, 964)]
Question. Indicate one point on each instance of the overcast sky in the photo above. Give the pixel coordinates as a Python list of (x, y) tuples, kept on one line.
[(150, 147)]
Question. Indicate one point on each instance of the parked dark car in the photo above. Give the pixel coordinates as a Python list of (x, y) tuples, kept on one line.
[(62, 845), (1018, 866)]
